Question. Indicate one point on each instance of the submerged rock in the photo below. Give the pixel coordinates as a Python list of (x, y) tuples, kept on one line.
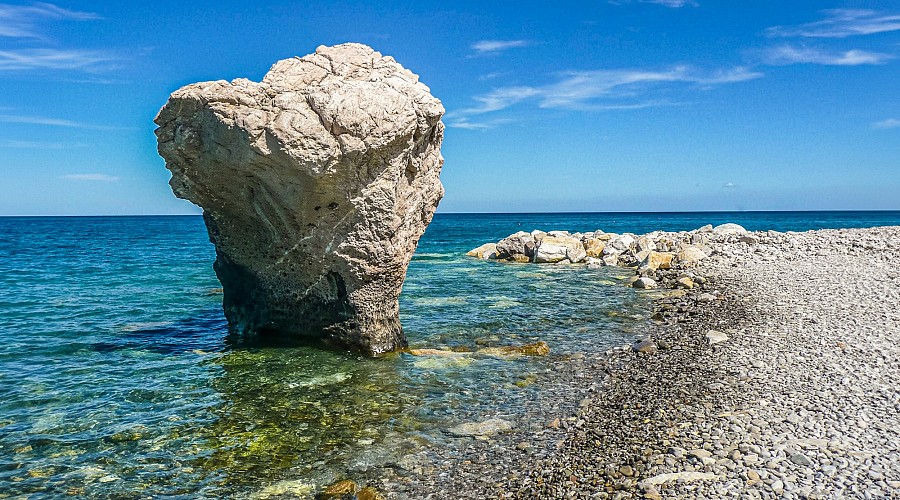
[(369, 493), (539, 348), (481, 429), (338, 489), (316, 185)]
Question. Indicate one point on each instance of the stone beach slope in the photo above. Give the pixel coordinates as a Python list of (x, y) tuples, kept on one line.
[(774, 376)]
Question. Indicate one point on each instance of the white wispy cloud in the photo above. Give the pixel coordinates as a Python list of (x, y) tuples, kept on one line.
[(604, 89), (465, 122), (20, 21), (17, 144), (52, 122), (729, 185), (39, 120), (804, 55), (674, 4), (59, 59), (500, 98), (491, 76), (842, 23), (91, 177), (886, 124), (495, 46)]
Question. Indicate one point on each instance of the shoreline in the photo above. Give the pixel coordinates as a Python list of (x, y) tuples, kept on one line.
[(773, 410)]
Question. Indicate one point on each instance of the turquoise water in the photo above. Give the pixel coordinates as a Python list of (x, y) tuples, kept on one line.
[(117, 377)]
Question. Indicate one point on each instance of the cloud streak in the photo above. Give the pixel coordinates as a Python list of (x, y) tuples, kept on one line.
[(52, 122), (72, 59), (603, 89), (841, 23), (786, 54), (15, 144), (672, 4), (886, 124), (39, 120), (496, 46), (19, 21), (91, 177)]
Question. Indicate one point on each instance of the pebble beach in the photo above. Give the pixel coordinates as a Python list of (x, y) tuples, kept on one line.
[(773, 377)]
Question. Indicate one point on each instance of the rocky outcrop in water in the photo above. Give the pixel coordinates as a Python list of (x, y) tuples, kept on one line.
[(316, 185), (658, 258)]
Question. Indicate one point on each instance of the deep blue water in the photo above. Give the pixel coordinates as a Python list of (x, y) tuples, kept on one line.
[(117, 379)]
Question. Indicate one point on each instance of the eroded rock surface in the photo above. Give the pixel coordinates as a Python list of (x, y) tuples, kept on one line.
[(316, 185)]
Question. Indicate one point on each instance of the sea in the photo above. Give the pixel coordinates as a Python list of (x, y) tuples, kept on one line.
[(118, 378)]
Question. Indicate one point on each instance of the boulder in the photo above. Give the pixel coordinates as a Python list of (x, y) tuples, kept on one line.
[(658, 260), (640, 256), (646, 346), (593, 247), (621, 242), (644, 244), (316, 184), (684, 282), (728, 229), (557, 248), (486, 251), (520, 243), (602, 236), (645, 283), (690, 255)]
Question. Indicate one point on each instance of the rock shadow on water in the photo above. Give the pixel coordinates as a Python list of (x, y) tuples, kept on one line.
[(202, 332)]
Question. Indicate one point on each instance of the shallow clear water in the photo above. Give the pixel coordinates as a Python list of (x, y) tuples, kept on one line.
[(117, 377)]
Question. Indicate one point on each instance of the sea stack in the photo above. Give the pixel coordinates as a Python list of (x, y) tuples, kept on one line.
[(316, 185)]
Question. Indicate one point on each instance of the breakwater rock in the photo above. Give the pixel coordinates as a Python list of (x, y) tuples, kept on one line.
[(316, 184), (658, 258)]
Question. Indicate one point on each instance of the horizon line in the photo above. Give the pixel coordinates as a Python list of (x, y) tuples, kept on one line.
[(641, 212)]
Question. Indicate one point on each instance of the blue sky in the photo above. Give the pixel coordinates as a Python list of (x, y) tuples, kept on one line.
[(564, 106)]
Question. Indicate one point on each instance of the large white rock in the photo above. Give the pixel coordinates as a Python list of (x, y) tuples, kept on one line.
[(621, 243), (316, 185), (558, 248), (729, 228), (520, 243)]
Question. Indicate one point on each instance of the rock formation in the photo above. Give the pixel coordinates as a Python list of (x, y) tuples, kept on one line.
[(316, 185)]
